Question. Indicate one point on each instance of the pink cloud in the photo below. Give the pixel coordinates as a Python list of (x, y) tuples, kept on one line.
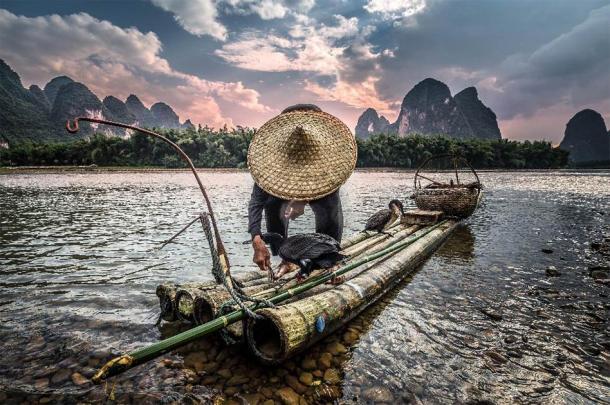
[(114, 61)]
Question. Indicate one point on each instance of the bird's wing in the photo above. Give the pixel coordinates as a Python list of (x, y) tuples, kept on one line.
[(378, 219), (308, 246)]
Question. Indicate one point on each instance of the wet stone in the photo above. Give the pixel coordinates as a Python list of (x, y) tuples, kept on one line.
[(603, 281), (306, 378), (79, 379), (350, 337), (308, 364), (336, 348), (598, 274), (269, 402), (293, 383), (378, 394), (224, 373), (195, 361), (253, 399), (210, 367), (267, 392), (61, 376), (317, 373), (41, 383), (288, 396), (510, 339), (93, 362), (491, 314), (496, 357), (65, 363), (547, 250), (237, 380), (230, 391), (209, 380), (325, 360), (332, 376), (552, 271)]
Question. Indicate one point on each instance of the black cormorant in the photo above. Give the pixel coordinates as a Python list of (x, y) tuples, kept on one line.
[(385, 217), (308, 251)]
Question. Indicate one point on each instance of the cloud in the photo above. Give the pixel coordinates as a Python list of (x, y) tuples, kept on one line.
[(196, 16), (394, 9), (310, 49), (113, 60), (200, 17), (339, 51), (571, 69)]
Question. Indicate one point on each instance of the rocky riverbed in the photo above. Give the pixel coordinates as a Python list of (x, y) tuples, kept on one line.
[(513, 308)]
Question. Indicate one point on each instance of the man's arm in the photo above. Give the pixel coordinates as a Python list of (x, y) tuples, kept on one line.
[(258, 198)]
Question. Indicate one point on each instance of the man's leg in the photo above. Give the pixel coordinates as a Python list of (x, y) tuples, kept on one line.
[(329, 215)]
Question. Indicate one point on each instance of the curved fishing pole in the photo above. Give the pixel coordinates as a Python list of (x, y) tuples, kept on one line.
[(222, 253)]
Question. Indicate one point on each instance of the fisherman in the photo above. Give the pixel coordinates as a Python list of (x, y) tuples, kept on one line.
[(299, 157)]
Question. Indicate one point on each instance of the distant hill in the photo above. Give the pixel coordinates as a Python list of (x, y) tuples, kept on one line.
[(23, 116), (430, 109), (39, 115), (371, 123), (587, 138)]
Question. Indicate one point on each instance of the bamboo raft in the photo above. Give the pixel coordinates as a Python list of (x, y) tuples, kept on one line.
[(284, 319), (303, 319)]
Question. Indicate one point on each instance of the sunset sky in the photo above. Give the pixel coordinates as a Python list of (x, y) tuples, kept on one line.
[(535, 63)]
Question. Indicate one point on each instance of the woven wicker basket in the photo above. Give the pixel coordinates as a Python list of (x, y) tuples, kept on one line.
[(453, 199)]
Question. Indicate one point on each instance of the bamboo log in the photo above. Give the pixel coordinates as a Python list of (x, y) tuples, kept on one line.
[(361, 236), (366, 244), (208, 305), (129, 360), (170, 295), (167, 297), (185, 301), (400, 233), (290, 328)]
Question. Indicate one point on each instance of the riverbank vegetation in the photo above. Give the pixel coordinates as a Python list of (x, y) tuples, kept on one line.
[(228, 149)]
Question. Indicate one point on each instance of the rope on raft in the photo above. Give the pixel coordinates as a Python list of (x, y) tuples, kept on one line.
[(127, 361), (222, 277), (221, 268)]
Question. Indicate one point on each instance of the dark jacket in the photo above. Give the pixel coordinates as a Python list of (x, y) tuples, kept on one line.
[(327, 210)]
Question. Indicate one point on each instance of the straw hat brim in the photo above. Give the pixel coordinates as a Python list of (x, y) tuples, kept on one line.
[(302, 155)]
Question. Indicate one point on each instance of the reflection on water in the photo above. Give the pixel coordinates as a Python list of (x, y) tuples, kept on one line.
[(489, 317)]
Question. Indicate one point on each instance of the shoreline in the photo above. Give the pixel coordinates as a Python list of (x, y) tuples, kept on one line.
[(5, 170)]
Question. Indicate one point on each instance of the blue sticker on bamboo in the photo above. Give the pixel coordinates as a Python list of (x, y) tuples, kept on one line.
[(321, 322)]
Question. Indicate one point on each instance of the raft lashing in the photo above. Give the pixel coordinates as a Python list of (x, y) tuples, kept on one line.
[(380, 260), (300, 313)]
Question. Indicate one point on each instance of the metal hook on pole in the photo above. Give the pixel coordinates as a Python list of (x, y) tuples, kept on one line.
[(73, 127)]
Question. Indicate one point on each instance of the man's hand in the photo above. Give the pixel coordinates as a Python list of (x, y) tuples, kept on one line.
[(262, 258), (294, 209)]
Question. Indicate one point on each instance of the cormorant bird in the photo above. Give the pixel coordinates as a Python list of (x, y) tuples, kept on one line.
[(308, 251), (381, 219)]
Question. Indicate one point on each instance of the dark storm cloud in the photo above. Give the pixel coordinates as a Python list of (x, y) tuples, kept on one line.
[(472, 36), (573, 68)]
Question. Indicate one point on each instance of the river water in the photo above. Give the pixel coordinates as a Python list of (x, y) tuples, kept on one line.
[(489, 317)]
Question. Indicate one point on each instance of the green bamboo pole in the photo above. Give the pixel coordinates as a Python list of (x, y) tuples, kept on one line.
[(127, 361)]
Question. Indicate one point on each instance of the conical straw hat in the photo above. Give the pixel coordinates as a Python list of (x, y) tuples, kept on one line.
[(302, 154)]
